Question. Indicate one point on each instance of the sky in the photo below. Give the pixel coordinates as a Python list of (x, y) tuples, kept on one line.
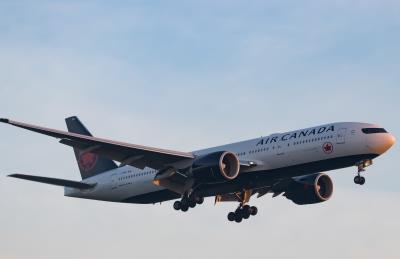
[(185, 75)]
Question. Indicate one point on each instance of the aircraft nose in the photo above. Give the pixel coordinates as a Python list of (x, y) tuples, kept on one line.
[(380, 144)]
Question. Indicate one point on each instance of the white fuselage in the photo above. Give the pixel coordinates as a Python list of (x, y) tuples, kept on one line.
[(280, 150)]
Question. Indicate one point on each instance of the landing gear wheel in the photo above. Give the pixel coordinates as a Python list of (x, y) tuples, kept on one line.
[(245, 211), (253, 210), (231, 216), (177, 205), (246, 214), (238, 217), (246, 208), (359, 180), (199, 200), (192, 203), (184, 207)]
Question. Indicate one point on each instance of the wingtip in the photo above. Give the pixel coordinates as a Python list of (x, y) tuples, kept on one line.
[(12, 175), (4, 120)]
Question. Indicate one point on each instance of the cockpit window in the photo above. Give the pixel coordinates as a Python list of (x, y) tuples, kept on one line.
[(373, 130)]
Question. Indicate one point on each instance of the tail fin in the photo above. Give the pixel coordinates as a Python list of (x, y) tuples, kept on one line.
[(89, 164)]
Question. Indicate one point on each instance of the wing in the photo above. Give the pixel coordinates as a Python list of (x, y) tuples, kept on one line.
[(128, 154)]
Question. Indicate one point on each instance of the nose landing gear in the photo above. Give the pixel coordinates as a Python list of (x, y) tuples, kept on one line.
[(358, 179)]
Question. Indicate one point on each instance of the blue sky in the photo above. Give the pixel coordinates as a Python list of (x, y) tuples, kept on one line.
[(187, 75)]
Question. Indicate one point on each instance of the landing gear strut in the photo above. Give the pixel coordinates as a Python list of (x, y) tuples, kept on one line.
[(188, 202), (358, 179), (242, 212)]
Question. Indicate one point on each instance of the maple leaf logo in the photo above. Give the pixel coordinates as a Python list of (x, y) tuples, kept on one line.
[(87, 161), (327, 147)]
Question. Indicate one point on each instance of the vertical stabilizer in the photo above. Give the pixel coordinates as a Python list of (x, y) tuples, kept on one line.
[(90, 164)]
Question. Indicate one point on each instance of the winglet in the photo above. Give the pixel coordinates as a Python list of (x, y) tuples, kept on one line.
[(4, 120)]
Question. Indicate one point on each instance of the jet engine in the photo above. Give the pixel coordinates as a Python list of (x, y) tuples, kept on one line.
[(216, 167), (310, 189)]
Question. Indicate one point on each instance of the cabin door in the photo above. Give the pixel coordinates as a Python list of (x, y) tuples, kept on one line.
[(341, 136), (114, 181)]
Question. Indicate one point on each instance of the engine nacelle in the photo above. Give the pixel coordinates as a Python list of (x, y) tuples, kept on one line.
[(216, 167), (310, 189)]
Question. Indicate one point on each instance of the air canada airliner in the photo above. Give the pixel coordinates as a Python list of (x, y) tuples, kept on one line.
[(292, 164)]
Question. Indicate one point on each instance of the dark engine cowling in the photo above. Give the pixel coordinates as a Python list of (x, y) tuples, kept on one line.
[(216, 167), (310, 189)]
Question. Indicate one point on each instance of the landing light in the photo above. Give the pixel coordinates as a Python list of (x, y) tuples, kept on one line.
[(362, 164), (367, 162)]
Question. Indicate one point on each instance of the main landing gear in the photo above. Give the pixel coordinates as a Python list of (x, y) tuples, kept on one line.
[(242, 212), (187, 202), (358, 179)]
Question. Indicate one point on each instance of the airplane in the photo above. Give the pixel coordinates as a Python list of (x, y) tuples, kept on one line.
[(291, 163)]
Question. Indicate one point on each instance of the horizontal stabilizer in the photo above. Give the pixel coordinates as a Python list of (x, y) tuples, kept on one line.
[(53, 181)]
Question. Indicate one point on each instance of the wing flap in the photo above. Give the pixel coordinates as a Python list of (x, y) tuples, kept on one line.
[(53, 181), (173, 180)]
